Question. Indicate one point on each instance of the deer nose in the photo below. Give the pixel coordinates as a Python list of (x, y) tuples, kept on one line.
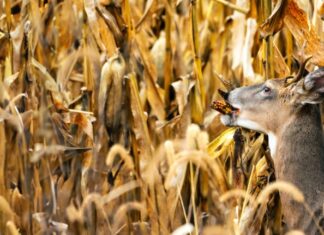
[(223, 94)]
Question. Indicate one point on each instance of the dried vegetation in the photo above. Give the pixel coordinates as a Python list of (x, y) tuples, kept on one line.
[(98, 101)]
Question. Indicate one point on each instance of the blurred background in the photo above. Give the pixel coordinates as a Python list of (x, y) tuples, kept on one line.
[(105, 118)]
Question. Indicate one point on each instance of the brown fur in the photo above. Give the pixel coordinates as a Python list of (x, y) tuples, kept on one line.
[(299, 159)]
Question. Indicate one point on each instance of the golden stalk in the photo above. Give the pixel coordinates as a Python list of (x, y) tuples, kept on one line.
[(289, 48), (140, 111), (167, 59), (193, 184), (9, 59), (266, 6), (233, 6), (127, 17), (2, 159), (200, 94)]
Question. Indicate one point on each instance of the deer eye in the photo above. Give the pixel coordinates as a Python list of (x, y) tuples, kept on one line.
[(266, 89)]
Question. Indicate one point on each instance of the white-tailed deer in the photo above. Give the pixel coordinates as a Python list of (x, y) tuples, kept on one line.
[(288, 112)]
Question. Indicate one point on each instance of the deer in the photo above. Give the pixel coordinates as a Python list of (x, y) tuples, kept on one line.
[(287, 111)]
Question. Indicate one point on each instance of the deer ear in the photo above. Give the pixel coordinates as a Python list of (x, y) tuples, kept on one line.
[(314, 81), (313, 86)]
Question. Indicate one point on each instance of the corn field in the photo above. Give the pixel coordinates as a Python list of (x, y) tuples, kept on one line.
[(105, 118)]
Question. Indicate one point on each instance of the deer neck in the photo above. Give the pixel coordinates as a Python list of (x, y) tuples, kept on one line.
[(299, 159), (299, 142)]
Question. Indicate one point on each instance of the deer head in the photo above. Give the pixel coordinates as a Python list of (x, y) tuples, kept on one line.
[(269, 106)]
